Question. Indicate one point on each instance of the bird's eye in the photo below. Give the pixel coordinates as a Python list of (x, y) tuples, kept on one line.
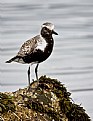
[(45, 28)]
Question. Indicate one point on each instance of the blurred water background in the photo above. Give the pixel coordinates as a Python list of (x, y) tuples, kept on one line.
[(72, 59)]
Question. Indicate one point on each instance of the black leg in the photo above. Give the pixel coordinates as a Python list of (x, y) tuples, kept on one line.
[(29, 75), (36, 69)]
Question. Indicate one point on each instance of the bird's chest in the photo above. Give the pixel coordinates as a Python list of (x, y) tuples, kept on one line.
[(43, 49), (41, 45)]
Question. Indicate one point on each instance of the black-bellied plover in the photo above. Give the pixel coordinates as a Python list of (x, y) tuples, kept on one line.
[(36, 49)]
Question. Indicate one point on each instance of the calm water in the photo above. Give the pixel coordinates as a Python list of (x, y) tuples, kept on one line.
[(72, 59)]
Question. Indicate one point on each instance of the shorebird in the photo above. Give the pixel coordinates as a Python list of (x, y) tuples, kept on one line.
[(36, 49)]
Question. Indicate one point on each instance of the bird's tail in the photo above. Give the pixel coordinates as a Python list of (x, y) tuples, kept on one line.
[(17, 59), (12, 59)]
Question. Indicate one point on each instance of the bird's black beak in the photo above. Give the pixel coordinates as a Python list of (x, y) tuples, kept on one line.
[(53, 32)]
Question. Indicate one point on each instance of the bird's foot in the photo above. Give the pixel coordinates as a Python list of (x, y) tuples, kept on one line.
[(33, 87), (33, 80)]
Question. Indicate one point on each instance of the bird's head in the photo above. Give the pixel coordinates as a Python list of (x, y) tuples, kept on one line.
[(47, 29)]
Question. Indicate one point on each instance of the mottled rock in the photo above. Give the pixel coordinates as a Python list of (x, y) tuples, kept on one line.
[(49, 101)]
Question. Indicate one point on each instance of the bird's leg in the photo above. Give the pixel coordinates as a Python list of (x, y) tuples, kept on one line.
[(29, 75), (36, 69), (31, 89)]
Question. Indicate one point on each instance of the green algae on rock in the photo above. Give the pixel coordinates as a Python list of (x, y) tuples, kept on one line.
[(50, 101), (6, 103)]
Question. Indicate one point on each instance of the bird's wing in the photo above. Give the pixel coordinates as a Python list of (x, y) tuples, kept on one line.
[(29, 46)]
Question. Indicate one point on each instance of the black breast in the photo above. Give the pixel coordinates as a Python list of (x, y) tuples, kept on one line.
[(39, 55)]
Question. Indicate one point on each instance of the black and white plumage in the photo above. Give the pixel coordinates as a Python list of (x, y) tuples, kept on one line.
[(36, 49)]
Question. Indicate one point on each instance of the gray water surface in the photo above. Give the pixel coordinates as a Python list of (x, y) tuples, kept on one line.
[(72, 59)]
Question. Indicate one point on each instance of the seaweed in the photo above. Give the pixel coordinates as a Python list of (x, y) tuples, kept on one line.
[(6, 103), (50, 101)]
